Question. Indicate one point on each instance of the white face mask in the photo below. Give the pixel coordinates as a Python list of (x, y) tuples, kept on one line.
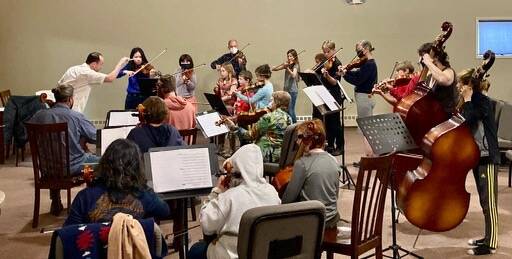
[(233, 50)]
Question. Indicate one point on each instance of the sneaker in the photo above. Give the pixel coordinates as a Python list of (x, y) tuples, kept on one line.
[(481, 250), (476, 242)]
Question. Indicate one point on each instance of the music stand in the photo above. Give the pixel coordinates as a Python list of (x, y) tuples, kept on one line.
[(217, 104), (387, 133), (147, 86), (312, 80), (121, 118)]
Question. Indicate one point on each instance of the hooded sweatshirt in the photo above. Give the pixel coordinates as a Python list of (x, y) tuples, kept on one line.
[(222, 212), (182, 113)]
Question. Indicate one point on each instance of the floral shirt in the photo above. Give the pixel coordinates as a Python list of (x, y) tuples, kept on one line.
[(268, 133)]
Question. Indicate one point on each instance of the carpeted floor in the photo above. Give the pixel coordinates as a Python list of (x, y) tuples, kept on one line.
[(19, 240)]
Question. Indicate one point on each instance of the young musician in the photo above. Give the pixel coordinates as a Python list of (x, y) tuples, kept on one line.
[(330, 79), (155, 130), (82, 77), (134, 95), (186, 80), (225, 87), (268, 131), (315, 175), (244, 82), (263, 95), (238, 62), (479, 114), (291, 79), (79, 128), (221, 213), (182, 113), (398, 90), (119, 186)]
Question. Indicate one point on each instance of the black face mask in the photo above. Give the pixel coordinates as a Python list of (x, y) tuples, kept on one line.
[(185, 65)]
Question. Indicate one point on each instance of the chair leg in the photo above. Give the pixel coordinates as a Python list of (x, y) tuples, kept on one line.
[(330, 255), (37, 199), (69, 199), (378, 252), (23, 154), (193, 209), (17, 157), (509, 173)]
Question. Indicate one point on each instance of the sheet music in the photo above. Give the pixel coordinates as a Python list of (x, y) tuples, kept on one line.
[(207, 124), (327, 98), (49, 94), (180, 169), (109, 135), (313, 95), (345, 95), (123, 118)]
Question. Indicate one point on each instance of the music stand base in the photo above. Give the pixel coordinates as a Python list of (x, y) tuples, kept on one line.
[(346, 178)]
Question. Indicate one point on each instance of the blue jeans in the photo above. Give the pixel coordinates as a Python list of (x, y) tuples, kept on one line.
[(133, 100), (291, 106), (198, 250)]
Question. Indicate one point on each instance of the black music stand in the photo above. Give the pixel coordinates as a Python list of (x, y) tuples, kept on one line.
[(312, 80), (387, 133), (217, 104)]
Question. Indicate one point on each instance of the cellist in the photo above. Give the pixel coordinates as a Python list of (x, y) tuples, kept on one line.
[(479, 114)]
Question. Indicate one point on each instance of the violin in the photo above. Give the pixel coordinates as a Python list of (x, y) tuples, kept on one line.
[(146, 68), (382, 85), (245, 118), (356, 62), (88, 173), (255, 86), (327, 64)]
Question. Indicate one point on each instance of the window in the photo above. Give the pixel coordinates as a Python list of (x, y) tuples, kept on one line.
[(494, 34)]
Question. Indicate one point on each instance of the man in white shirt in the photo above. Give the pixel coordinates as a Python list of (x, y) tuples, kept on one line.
[(81, 77)]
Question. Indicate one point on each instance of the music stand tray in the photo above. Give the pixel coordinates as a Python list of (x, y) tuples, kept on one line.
[(386, 133), (147, 86), (217, 104)]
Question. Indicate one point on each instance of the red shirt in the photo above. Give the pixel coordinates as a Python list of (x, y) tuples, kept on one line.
[(402, 91)]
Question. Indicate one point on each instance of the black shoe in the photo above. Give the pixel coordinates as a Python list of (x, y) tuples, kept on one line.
[(337, 152), (56, 208), (329, 150), (476, 242), (481, 250)]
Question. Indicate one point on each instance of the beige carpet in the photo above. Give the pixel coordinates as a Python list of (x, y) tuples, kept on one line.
[(19, 240)]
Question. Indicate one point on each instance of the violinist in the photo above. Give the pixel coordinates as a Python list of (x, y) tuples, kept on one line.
[(315, 175), (226, 84), (262, 97), (479, 114), (186, 80), (235, 57), (182, 112), (134, 95), (329, 78), (291, 79), (268, 131), (223, 208), (244, 82), (83, 76), (401, 85)]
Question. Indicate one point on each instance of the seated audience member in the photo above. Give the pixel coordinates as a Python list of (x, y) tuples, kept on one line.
[(268, 132), (316, 174), (119, 186), (155, 130), (80, 131), (223, 209), (182, 113)]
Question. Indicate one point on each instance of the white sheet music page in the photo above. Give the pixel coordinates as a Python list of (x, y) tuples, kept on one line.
[(327, 98), (207, 123), (180, 169), (109, 135), (312, 94), (122, 119)]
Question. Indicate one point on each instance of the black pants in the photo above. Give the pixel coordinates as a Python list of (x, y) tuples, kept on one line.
[(333, 130), (487, 185)]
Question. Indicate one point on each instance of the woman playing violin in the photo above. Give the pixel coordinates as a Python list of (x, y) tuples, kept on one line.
[(134, 95), (291, 79), (403, 83), (186, 80)]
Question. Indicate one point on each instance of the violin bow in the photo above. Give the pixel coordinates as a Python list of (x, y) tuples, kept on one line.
[(200, 65), (321, 64), (149, 62), (239, 51)]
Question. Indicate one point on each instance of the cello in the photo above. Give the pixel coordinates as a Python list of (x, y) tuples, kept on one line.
[(420, 110), (433, 196)]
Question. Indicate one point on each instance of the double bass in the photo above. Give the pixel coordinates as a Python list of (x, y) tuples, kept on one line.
[(433, 196)]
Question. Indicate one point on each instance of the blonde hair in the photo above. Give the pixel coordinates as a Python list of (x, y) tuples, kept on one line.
[(281, 99), (229, 68), (329, 44)]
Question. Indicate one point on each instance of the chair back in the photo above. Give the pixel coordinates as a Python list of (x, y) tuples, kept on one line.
[(289, 147), (4, 96), (189, 135), (49, 145), (300, 232), (505, 122), (369, 201)]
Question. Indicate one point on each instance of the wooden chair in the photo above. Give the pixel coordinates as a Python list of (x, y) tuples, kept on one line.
[(2, 141), (190, 137), (4, 96), (49, 144), (367, 212)]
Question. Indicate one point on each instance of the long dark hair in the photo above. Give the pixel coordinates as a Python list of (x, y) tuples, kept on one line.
[(131, 65), (120, 170)]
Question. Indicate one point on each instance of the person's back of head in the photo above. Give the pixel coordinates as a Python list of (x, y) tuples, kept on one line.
[(155, 111), (311, 134), (63, 93), (120, 170), (281, 100), (166, 84)]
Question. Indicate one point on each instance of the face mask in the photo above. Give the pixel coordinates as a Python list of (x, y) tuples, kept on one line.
[(360, 53), (233, 50)]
